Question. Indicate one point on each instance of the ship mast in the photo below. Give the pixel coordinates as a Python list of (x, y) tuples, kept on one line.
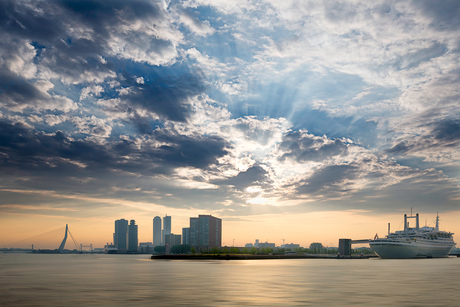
[(437, 221)]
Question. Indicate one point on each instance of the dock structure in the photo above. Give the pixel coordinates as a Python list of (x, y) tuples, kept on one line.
[(345, 245)]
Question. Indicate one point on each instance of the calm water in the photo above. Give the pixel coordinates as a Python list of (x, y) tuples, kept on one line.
[(135, 280)]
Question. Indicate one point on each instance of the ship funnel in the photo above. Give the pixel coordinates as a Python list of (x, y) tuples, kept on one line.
[(417, 225)]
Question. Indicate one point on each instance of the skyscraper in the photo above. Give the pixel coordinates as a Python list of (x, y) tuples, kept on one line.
[(166, 226), (131, 237), (193, 232), (186, 235), (205, 231), (119, 236), (157, 231)]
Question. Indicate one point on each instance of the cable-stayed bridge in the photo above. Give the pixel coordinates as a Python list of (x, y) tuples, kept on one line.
[(45, 242)]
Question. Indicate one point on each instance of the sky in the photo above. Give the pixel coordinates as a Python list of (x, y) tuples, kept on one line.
[(307, 121)]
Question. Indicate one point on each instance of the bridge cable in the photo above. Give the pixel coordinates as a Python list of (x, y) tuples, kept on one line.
[(73, 239)]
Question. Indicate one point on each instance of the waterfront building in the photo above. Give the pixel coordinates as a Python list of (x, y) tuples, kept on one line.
[(256, 244), (131, 237), (166, 227), (186, 235), (193, 241), (172, 240), (266, 244), (157, 231), (145, 248), (291, 246), (119, 236), (205, 231), (318, 246)]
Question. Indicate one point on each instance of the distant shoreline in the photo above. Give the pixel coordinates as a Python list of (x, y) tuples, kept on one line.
[(254, 257)]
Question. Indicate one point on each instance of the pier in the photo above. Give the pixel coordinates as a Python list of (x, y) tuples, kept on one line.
[(345, 245)]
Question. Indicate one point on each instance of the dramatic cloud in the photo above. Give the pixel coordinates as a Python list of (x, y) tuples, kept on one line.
[(230, 107)]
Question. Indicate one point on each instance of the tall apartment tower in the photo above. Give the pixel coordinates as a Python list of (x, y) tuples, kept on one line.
[(157, 231), (205, 231), (186, 235), (119, 236), (193, 241), (166, 227), (131, 237)]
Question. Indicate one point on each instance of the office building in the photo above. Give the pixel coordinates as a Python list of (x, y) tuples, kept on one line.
[(131, 237), (119, 236), (205, 231), (166, 227), (157, 231), (172, 240), (186, 235)]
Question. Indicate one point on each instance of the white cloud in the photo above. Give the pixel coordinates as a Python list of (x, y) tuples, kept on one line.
[(90, 90)]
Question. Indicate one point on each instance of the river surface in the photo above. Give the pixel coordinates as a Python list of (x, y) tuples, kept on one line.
[(135, 280)]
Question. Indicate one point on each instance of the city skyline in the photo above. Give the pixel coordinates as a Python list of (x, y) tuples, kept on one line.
[(300, 120)]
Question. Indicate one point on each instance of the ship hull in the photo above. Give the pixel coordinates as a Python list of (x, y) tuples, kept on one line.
[(410, 250)]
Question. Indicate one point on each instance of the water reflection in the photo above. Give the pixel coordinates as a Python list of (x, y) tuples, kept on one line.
[(130, 280)]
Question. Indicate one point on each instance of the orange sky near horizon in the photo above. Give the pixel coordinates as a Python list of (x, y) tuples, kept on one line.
[(303, 229)]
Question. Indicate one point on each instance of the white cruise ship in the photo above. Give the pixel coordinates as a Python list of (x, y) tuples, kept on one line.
[(415, 242)]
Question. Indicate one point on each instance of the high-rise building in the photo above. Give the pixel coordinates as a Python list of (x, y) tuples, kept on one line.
[(157, 231), (186, 235), (166, 226), (119, 236), (131, 237), (205, 231), (193, 241)]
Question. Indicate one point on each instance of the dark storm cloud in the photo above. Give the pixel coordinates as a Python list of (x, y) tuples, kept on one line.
[(48, 21), (196, 151), (254, 175), (70, 37), (400, 148), (303, 147), (330, 180), (444, 134), (447, 130), (25, 21), (445, 15), (17, 91), (23, 149), (165, 96)]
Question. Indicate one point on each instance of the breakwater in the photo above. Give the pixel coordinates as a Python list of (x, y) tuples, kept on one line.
[(255, 257)]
